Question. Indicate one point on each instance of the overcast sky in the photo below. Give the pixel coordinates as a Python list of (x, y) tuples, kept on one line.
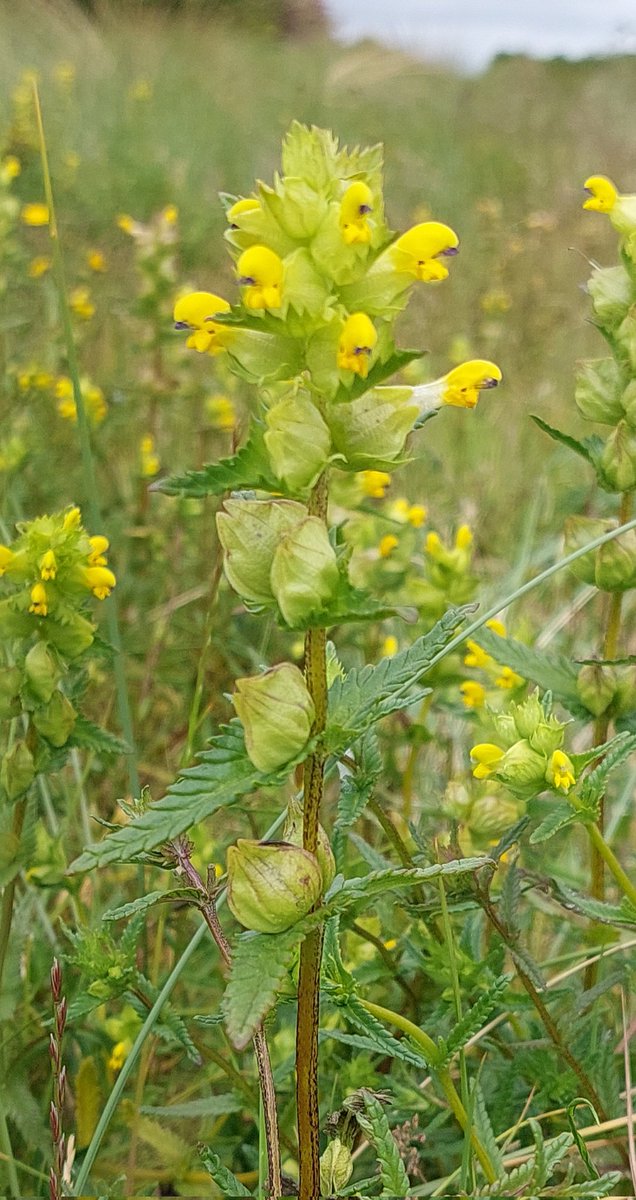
[(472, 31)]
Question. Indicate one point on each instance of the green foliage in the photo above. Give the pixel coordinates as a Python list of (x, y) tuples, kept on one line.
[(248, 468), (473, 1020), (552, 672), (227, 1183), (260, 963), (374, 1124)]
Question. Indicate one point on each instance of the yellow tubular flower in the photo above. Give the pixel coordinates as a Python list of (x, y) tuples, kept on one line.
[(486, 756), (260, 272), (245, 205), (416, 515), (81, 303), (48, 566), (6, 558), (96, 260), (464, 383), (497, 626), (389, 646), (170, 214), (508, 678), (601, 194), (100, 581), (463, 538), (39, 266), (356, 345), (196, 312), (560, 771), (99, 545), (374, 483), (39, 600), (387, 545), (419, 251), (35, 215), (72, 519), (126, 223), (356, 203), (433, 545), (149, 461), (476, 657), (10, 168), (473, 693)]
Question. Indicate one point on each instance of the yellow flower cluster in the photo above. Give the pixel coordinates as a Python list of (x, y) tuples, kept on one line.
[(474, 693)]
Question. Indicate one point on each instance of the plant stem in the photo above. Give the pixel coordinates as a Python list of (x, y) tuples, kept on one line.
[(8, 895), (457, 1001), (307, 1023), (207, 906), (441, 1074), (606, 855)]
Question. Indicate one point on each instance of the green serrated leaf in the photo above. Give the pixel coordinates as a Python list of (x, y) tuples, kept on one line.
[(144, 903), (623, 914), (348, 604), (552, 672), (374, 1124), (485, 1129), (259, 964), (592, 1189), (376, 883), (248, 468), (89, 736), (171, 1028), (364, 696), (475, 1018), (559, 817), (614, 754), (210, 1106), (565, 439), (226, 1182), (356, 787), (376, 1036), (222, 775), (380, 372)]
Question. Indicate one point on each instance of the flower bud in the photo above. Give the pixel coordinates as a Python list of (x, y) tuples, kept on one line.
[(528, 715), (304, 572), (596, 685), (271, 885), (17, 770), (336, 1166), (598, 391), (610, 289), (505, 728), (293, 833), (298, 441), (249, 531), (491, 815), (618, 460), (371, 431), (55, 720), (277, 712), (42, 672), (578, 532)]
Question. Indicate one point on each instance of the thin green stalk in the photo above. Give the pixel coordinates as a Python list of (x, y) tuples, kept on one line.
[(88, 461), (457, 1001), (443, 1077), (307, 1022), (195, 707), (606, 854), (7, 1153), (8, 895), (108, 1111)]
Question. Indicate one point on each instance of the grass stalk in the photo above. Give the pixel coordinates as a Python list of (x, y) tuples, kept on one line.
[(449, 940)]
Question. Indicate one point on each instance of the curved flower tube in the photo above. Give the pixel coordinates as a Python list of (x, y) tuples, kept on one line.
[(459, 388), (196, 312), (420, 251), (355, 205), (260, 272)]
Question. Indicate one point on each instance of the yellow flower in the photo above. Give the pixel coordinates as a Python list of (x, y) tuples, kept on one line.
[(119, 1054), (170, 214), (473, 693), (497, 626), (477, 657), (486, 756), (603, 196), (220, 411), (39, 266), (6, 558), (419, 251), (389, 646), (416, 515), (64, 74), (356, 203), (126, 223), (356, 345), (141, 89), (196, 311), (39, 600), (260, 272), (463, 538), (72, 519), (245, 205), (433, 544), (42, 381), (508, 678), (99, 545), (99, 580), (387, 545), (560, 771), (96, 260), (149, 461), (35, 214), (10, 168), (48, 566), (81, 303), (399, 510), (497, 300), (390, 944), (374, 483)]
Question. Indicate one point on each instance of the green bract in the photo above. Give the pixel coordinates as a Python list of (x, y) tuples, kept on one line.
[(277, 713), (250, 531), (271, 885)]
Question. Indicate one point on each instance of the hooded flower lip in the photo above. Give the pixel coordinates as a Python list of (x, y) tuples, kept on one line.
[(240, 207), (418, 251), (357, 343), (459, 388), (260, 272), (560, 771), (196, 312), (601, 194), (355, 206)]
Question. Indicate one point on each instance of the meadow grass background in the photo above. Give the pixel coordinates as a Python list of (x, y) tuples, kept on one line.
[(172, 111)]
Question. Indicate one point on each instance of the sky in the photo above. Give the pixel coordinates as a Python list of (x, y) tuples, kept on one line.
[(470, 32)]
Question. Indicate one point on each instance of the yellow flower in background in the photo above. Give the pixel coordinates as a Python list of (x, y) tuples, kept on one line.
[(497, 300), (196, 312), (508, 678), (357, 343), (374, 483), (420, 251), (81, 303), (463, 538), (560, 772), (477, 657), (93, 396), (99, 545), (64, 74), (96, 261), (460, 387), (10, 168), (497, 626), (486, 757), (126, 223), (39, 266), (355, 206), (220, 411), (35, 214), (389, 646), (473, 693), (260, 272), (387, 545), (433, 544), (141, 89), (149, 461), (416, 515), (119, 1054), (170, 214)]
